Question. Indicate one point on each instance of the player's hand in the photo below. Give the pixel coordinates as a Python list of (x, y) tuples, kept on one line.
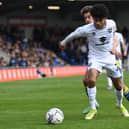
[(61, 46), (116, 53), (125, 53)]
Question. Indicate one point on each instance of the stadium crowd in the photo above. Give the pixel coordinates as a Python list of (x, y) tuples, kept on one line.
[(25, 52), (43, 48)]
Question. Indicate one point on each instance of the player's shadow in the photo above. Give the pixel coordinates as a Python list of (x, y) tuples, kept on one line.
[(45, 123)]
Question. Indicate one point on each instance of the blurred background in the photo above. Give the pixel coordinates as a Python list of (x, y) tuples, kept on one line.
[(30, 31)]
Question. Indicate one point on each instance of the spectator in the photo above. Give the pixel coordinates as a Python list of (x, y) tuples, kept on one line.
[(13, 60)]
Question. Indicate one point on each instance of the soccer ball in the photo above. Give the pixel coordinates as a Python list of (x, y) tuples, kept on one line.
[(54, 116)]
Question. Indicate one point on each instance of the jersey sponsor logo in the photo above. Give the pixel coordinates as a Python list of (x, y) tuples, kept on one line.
[(110, 30), (103, 40)]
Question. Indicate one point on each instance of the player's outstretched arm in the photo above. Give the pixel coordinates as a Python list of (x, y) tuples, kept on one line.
[(124, 48), (122, 43), (79, 32), (114, 51)]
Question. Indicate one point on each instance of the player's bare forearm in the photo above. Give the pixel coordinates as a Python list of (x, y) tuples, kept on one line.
[(116, 53), (115, 43), (124, 49)]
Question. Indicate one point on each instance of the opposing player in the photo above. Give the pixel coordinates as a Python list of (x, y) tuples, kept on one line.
[(100, 35)]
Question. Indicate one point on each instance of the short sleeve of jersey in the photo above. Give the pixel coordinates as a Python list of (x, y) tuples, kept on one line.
[(113, 25), (121, 38)]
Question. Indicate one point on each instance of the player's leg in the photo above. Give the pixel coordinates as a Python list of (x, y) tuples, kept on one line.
[(85, 83), (126, 92), (109, 80), (116, 75), (91, 90), (125, 88), (118, 83)]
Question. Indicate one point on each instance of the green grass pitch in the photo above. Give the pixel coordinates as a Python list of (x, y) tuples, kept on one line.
[(23, 104)]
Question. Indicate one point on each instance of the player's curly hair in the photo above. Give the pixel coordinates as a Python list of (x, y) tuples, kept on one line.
[(100, 11), (86, 9)]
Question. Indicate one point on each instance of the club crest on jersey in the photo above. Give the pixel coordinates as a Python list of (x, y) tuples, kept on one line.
[(110, 30), (93, 33)]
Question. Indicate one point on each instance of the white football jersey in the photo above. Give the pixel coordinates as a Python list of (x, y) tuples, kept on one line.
[(120, 39), (99, 40)]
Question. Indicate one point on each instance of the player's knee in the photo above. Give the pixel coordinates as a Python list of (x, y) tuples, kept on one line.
[(118, 83), (119, 86), (91, 82)]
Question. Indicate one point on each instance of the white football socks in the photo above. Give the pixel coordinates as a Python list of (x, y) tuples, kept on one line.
[(119, 97), (92, 97)]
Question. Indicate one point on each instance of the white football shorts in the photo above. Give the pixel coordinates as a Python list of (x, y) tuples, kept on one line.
[(112, 70)]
